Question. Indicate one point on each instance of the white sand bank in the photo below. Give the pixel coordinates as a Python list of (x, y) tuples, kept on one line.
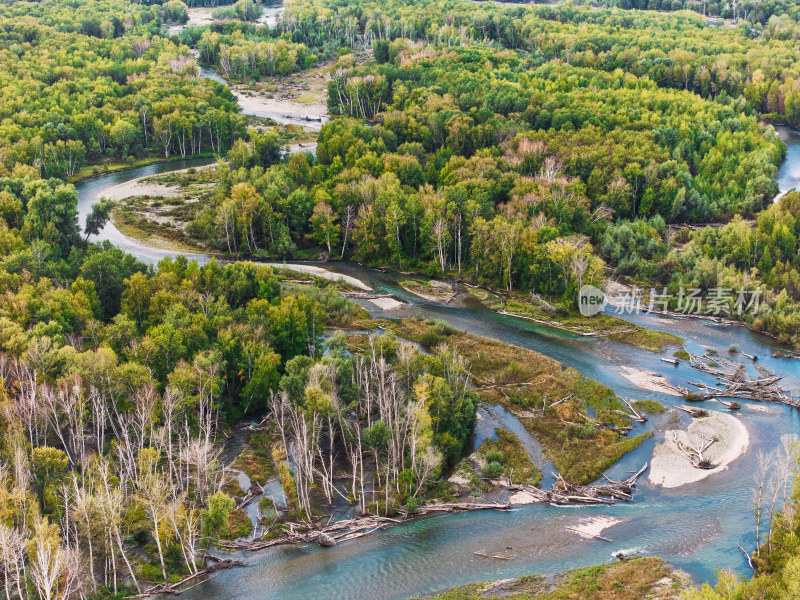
[(295, 110), (670, 468), (593, 526), (136, 187), (522, 498), (648, 380), (386, 303)]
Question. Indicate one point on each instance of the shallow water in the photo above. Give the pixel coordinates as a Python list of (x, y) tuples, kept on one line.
[(695, 527), (788, 177), (494, 416)]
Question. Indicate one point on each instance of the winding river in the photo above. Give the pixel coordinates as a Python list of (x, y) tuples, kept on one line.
[(695, 527)]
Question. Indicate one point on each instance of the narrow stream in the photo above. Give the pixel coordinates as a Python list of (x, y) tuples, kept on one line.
[(695, 527), (494, 416)]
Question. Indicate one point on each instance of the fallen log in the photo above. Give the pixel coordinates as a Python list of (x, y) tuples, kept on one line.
[(324, 535), (563, 493), (255, 490), (695, 455), (485, 555), (173, 588), (748, 555), (729, 405), (697, 413), (461, 506), (636, 416), (365, 295), (297, 281)]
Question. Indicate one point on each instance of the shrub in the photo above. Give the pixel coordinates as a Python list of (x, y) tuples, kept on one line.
[(442, 328), (493, 470), (412, 505), (494, 456), (649, 406)]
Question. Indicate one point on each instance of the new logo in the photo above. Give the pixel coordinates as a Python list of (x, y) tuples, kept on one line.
[(591, 300)]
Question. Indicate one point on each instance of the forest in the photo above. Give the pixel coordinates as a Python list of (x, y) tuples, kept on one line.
[(528, 150)]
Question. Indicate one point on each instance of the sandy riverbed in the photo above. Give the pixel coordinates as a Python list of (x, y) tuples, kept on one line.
[(295, 110), (649, 380), (386, 303), (670, 468), (310, 116), (137, 187), (590, 527), (197, 16), (522, 498)]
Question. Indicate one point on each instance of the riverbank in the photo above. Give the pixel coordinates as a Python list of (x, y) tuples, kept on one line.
[(648, 380), (645, 578), (539, 311), (502, 458), (552, 401), (670, 467), (298, 99), (109, 167), (321, 273), (432, 290), (156, 211), (535, 309)]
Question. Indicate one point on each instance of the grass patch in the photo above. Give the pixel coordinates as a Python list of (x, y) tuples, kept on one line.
[(239, 525), (131, 224), (523, 381), (682, 354), (435, 291), (652, 407), (512, 457), (255, 460), (232, 487), (636, 579), (187, 178)]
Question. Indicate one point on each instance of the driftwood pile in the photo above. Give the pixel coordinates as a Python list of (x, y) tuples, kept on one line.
[(695, 412), (324, 535), (734, 383), (331, 534), (175, 589), (563, 493), (365, 295), (695, 455), (457, 507), (255, 490)]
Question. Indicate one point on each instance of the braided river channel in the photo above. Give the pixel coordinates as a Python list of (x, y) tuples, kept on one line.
[(695, 527)]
